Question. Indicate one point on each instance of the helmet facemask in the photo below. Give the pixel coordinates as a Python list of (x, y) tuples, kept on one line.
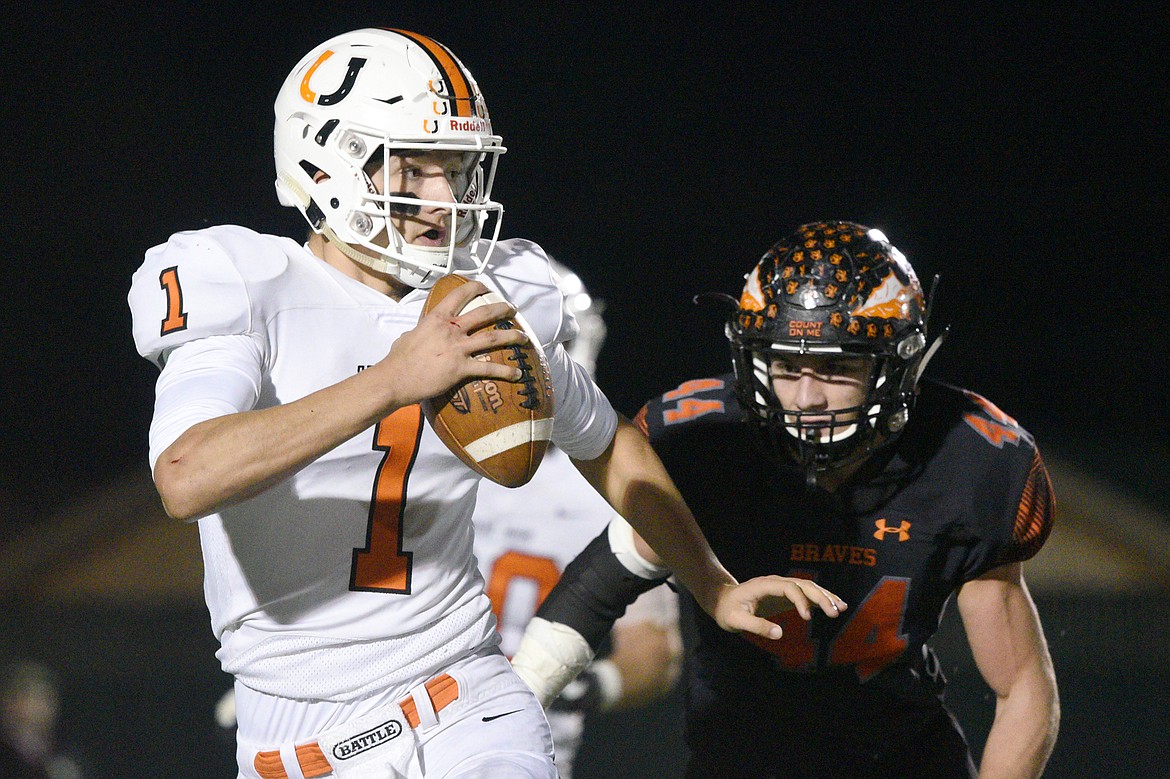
[(371, 224), (830, 289), (820, 440)]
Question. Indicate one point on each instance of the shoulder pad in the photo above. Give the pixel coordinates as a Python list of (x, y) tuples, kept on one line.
[(202, 283), (698, 400), (521, 271)]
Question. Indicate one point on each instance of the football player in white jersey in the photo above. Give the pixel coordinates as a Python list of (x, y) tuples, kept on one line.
[(525, 537), (335, 526)]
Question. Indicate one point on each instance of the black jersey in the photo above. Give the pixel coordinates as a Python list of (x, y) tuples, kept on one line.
[(961, 491)]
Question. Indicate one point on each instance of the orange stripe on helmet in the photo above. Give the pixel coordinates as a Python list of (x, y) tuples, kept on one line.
[(306, 93), (458, 85)]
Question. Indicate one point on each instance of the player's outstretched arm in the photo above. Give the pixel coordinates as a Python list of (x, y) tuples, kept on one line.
[(1008, 644), (614, 569), (634, 481), (607, 576), (561, 640), (233, 457)]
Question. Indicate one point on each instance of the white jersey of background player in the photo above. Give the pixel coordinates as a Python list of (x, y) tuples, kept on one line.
[(525, 537), (336, 529)]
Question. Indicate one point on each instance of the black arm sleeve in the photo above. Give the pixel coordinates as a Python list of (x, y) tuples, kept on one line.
[(594, 591)]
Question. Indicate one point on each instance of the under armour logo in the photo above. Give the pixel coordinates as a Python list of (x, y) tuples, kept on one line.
[(903, 530)]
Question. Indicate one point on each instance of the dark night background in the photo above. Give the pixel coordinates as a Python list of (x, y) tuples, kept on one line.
[(658, 150), (1018, 150)]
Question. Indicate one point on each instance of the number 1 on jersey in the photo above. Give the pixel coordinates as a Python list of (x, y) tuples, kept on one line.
[(176, 318), (383, 566)]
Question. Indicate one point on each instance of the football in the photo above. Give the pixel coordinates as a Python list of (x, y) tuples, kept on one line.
[(500, 429)]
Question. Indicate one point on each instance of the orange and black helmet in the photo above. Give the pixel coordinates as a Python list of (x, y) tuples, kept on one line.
[(831, 288)]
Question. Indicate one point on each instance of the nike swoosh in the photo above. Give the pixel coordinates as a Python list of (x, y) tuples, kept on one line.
[(497, 716)]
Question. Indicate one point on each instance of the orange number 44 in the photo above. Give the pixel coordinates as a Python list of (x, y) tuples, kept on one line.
[(870, 639)]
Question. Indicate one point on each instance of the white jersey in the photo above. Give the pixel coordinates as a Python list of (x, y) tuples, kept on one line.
[(524, 538), (356, 573)]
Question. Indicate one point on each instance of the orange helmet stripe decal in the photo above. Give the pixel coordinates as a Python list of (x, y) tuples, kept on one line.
[(461, 97), (307, 94)]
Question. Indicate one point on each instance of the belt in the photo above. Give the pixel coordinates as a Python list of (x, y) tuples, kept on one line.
[(443, 690)]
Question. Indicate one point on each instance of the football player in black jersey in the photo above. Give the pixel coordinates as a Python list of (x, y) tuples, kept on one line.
[(825, 455)]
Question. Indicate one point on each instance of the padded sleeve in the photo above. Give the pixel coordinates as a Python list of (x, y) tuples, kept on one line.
[(204, 379), (594, 591), (585, 422)]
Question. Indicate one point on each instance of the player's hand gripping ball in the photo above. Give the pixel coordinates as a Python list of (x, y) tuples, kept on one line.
[(499, 428)]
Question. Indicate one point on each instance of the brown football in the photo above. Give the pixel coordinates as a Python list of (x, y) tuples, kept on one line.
[(499, 428)]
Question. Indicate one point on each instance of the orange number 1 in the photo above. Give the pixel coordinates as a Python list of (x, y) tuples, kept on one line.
[(176, 318), (382, 566)]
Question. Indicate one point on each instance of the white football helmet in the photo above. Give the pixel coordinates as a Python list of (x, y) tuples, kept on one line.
[(355, 100), (587, 309)]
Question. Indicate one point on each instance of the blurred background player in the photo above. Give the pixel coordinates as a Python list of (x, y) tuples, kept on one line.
[(525, 537), (825, 456), (30, 708), (335, 526)]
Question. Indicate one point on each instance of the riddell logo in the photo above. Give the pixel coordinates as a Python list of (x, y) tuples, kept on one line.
[(903, 530), (364, 742), (468, 125)]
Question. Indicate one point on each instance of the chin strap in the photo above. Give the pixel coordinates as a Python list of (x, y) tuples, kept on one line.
[(810, 477), (374, 263)]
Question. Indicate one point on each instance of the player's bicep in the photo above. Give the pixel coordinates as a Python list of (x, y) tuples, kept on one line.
[(202, 380), (1003, 627)]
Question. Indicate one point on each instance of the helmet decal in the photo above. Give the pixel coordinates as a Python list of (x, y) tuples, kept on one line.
[(752, 298), (887, 301), (454, 89), (355, 65)]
